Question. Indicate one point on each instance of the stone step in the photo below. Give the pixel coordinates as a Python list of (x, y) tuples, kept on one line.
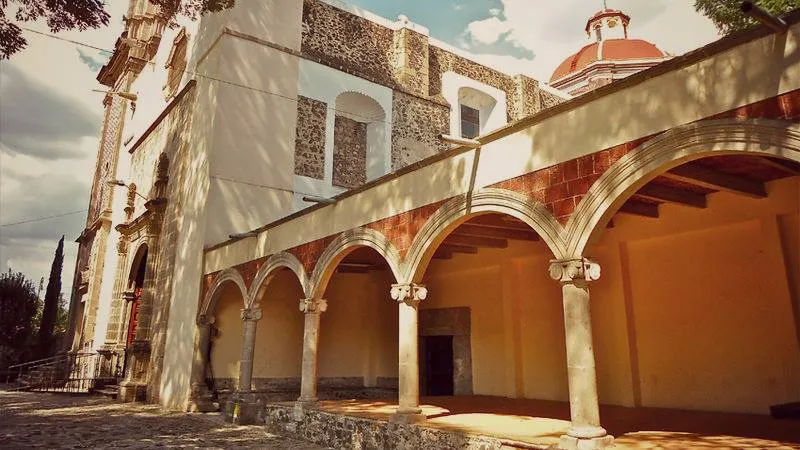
[(111, 391)]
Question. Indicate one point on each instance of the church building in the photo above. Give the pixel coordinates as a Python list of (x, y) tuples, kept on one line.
[(330, 223)]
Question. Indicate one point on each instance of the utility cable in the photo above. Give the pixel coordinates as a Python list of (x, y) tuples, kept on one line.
[(208, 77), (39, 219)]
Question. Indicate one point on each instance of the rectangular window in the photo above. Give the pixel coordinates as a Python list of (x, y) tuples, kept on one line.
[(470, 122)]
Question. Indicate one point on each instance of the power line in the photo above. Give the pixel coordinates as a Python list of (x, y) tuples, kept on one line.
[(208, 77), (217, 177), (39, 219)]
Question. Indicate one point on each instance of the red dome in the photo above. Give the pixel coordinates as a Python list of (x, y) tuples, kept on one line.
[(607, 50)]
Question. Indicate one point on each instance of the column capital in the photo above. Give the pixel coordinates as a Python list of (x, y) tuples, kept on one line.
[(409, 292), (574, 269), (251, 314), (205, 320), (313, 305)]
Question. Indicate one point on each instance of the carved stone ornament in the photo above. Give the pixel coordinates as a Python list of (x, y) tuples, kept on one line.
[(251, 314), (313, 305), (577, 269), (129, 295), (205, 320), (409, 292)]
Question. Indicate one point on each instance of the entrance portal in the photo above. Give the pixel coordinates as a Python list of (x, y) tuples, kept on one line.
[(438, 371)]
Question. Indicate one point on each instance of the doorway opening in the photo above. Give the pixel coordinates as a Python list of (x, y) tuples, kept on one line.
[(437, 379)]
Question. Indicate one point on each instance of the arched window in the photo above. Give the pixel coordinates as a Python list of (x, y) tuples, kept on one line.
[(475, 107), (359, 150)]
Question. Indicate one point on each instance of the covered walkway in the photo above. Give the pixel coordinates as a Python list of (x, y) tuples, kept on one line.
[(541, 423)]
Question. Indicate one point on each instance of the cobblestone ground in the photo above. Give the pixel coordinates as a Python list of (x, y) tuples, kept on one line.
[(61, 421)]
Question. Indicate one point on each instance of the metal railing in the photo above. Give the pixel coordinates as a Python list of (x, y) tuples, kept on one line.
[(70, 372)]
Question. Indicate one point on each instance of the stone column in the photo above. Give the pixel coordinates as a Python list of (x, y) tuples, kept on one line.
[(201, 398), (585, 432), (250, 317), (313, 309), (244, 407), (408, 297)]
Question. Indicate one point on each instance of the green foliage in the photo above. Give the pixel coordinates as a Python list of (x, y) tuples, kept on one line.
[(63, 15), (46, 343), (18, 305), (728, 17)]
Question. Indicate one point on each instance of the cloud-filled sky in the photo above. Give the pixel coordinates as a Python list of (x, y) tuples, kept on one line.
[(50, 118)]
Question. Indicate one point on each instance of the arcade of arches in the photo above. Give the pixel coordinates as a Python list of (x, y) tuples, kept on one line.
[(691, 254)]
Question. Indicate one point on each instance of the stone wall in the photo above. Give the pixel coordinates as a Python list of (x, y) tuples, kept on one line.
[(344, 41), (416, 126), (349, 152), (309, 147), (339, 431)]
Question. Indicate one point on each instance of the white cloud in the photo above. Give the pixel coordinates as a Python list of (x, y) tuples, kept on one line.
[(488, 31), (555, 30)]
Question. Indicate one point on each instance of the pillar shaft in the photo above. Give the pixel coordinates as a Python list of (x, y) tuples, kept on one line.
[(202, 341), (313, 309), (408, 367), (574, 276), (408, 297), (250, 317)]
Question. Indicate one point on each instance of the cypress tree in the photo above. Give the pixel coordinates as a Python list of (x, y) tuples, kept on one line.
[(45, 345)]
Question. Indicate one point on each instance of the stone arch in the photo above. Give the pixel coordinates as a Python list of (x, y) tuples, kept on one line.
[(482, 201), (282, 260), (140, 257), (671, 149), (229, 275), (342, 246)]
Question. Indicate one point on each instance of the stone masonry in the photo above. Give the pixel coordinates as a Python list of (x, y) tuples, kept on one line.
[(309, 147), (349, 152)]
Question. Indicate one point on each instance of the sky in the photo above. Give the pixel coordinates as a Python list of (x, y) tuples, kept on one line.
[(50, 118)]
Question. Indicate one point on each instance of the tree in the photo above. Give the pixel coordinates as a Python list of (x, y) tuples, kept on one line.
[(63, 15), (18, 305), (44, 347), (728, 17)]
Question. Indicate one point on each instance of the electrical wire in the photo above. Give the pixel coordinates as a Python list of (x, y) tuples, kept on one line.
[(248, 183), (208, 77), (39, 219)]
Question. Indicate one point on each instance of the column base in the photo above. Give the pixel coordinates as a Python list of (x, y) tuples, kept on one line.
[(406, 416), (572, 443), (131, 391), (244, 408), (300, 407), (201, 399)]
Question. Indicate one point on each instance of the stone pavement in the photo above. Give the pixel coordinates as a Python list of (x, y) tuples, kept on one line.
[(61, 421)]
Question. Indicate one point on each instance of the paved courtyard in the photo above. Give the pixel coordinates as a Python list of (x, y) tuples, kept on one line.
[(59, 421)]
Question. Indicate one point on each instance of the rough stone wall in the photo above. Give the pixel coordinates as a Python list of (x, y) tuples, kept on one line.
[(526, 100), (177, 148), (411, 52), (342, 40), (416, 126), (106, 160), (309, 146), (338, 431), (548, 100), (349, 152)]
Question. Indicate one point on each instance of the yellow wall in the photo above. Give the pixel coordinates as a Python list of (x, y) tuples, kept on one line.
[(358, 333), (693, 310), (710, 303), (279, 336), (227, 346)]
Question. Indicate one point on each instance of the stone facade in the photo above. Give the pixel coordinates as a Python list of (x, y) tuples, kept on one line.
[(309, 146), (416, 126), (349, 152)]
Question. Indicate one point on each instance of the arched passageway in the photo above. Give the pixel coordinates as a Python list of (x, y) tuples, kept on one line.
[(277, 363), (358, 350), (698, 303), (225, 340)]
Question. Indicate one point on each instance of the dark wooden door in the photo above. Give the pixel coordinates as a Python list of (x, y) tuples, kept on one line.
[(438, 365)]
